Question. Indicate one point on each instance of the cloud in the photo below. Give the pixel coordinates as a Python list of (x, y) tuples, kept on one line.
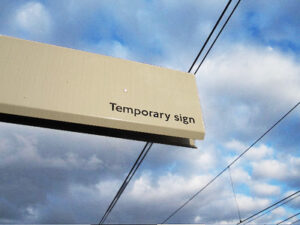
[(249, 204), (49, 164), (239, 175), (24, 149), (248, 81), (256, 153), (33, 18), (270, 169), (166, 179), (158, 197), (112, 48), (262, 189)]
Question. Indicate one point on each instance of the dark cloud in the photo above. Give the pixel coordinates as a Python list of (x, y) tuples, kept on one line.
[(39, 166)]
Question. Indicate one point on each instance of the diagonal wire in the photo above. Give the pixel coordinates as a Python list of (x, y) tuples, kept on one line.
[(236, 159), (125, 183), (288, 218), (134, 168), (209, 36), (234, 194), (295, 222), (282, 200), (283, 203), (218, 35)]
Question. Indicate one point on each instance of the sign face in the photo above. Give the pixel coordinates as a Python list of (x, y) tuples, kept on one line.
[(50, 86)]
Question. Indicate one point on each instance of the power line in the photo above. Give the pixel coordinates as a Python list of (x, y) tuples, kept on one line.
[(282, 200), (288, 218), (134, 168), (295, 222), (283, 203), (218, 35), (132, 172), (234, 194), (236, 159), (209, 36), (127, 180)]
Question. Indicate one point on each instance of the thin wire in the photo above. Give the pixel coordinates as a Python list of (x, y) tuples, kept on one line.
[(283, 203), (288, 218), (295, 222), (127, 180), (209, 36), (234, 194), (264, 134), (269, 207), (218, 35), (122, 188), (125, 183), (134, 168), (236, 159)]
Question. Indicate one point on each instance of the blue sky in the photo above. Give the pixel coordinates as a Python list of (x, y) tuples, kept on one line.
[(249, 80)]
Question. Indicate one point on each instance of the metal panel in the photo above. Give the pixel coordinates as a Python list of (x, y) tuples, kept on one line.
[(52, 83)]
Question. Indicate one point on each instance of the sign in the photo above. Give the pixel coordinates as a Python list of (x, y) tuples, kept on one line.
[(50, 86)]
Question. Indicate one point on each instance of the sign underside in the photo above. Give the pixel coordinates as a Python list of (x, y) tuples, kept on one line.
[(54, 87)]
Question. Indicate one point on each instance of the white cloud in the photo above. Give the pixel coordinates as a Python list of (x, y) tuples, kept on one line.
[(24, 148), (33, 18), (280, 211), (118, 50), (239, 175), (270, 217), (245, 88), (283, 169), (235, 145), (111, 48), (197, 219), (270, 169), (206, 160), (257, 152), (264, 189), (106, 188), (160, 195), (32, 213), (167, 187), (250, 204), (294, 166), (260, 152)]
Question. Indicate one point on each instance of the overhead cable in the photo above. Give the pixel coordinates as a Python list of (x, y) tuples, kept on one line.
[(270, 210), (234, 194), (216, 38), (127, 180), (209, 36), (295, 222), (288, 218), (235, 160), (274, 204), (134, 168)]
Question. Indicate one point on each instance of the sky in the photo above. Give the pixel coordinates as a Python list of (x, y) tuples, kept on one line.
[(249, 80)]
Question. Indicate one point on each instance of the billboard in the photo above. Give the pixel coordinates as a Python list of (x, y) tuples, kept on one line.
[(55, 87)]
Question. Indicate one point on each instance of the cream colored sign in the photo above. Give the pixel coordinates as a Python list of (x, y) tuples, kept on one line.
[(59, 84)]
